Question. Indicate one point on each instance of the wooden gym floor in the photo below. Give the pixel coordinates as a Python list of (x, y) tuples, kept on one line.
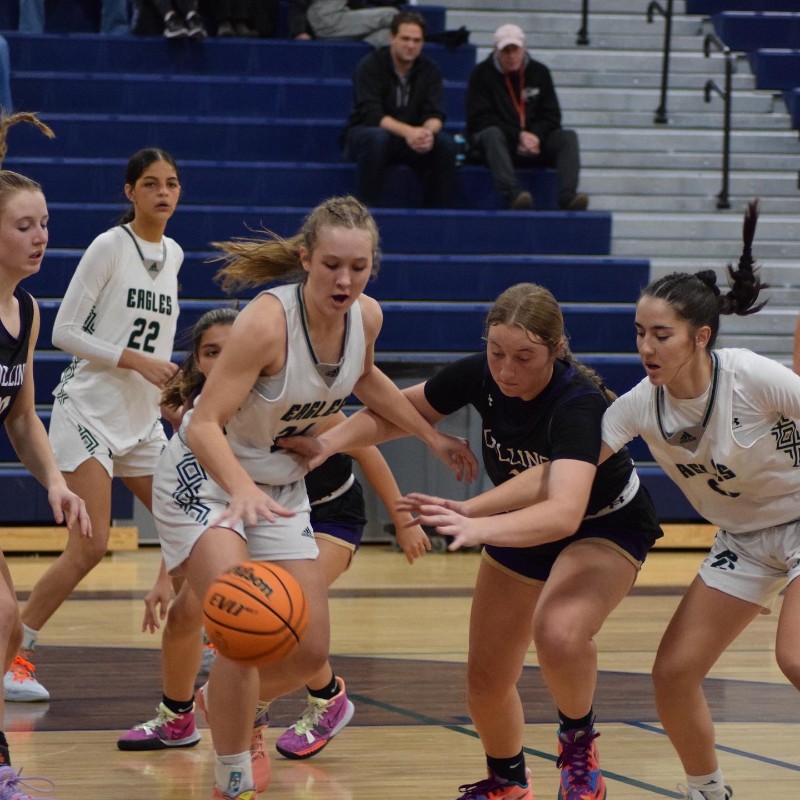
[(399, 641)]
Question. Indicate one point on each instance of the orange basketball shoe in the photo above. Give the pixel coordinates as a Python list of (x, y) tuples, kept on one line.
[(581, 778), (494, 788)]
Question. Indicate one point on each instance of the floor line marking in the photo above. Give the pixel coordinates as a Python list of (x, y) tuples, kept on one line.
[(527, 750)]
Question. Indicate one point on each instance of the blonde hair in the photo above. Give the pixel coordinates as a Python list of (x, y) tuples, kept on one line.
[(536, 311), (12, 182), (253, 261)]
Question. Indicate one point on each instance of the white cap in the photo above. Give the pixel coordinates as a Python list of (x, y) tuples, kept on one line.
[(509, 34)]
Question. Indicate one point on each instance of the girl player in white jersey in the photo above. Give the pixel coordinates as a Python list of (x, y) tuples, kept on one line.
[(224, 492), (23, 240), (337, 517), (118, 320), (723, 424)]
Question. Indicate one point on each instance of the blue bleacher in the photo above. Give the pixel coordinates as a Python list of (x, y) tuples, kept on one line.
[(793, 104), (250, 59), (572, 279), (288, 183), (254, 126), (771, 38), (748, 31), (73, 225), (709, 7)]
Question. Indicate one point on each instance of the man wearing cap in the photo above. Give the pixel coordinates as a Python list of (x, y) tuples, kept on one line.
[(514, 119)]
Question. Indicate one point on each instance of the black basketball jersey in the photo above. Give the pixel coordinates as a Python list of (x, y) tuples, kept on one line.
[(14, 353), (563, 421)]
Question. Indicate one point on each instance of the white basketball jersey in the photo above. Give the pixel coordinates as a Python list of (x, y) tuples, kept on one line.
[(295, 400), (124, 294), (743, 473)]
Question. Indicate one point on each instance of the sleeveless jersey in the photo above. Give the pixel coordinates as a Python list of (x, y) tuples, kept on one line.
[(118, 298), (14, 353), (744, 474), (295, 400), (563, 421)]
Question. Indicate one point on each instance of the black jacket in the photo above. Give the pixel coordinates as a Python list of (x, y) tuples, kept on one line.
[(377, 91), (489, 103)]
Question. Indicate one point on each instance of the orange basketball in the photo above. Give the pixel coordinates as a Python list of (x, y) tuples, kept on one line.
[(255, 612)]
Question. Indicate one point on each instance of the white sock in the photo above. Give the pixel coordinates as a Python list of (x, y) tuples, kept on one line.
[(711, 785), (234, 774), (29, 637)]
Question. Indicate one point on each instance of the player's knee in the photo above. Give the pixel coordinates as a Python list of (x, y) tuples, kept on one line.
[(789, 664), (672, 673), (185, 615)]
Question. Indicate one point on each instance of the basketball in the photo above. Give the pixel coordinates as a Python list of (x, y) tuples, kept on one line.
[(255, 612)]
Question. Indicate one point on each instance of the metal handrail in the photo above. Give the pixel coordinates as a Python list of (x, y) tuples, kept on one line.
[(712, 86), (652, 8), (583, 33)]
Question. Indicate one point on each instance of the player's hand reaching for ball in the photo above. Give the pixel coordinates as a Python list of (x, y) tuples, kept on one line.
[(248, 504), (463, 531)]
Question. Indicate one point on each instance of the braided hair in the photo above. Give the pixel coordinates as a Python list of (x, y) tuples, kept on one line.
[(697, 299)]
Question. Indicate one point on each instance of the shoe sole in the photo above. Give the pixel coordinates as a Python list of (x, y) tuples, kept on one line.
[(562, 796), (26, 698), (323, 743), (142, 745)]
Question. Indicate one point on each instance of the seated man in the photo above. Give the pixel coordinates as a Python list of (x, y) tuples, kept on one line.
[(398, 114), (341, 19), (514, 119)]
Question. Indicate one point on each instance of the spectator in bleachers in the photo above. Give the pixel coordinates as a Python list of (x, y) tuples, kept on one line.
[(398, 116), (236, 18), (176, 19), (113, 16), (5, 78), (341, 19), (514, 119)]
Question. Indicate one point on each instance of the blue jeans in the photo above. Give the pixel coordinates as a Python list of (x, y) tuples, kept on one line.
[(113, 16), (373, 149)]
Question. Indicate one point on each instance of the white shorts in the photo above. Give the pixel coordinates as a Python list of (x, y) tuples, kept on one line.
[(73, 444), (754, 566), (186, 503)]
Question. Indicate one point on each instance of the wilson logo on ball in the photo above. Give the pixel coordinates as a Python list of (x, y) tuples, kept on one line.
[(247, 573)]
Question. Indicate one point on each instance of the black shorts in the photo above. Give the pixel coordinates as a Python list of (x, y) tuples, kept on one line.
[(633, 530)]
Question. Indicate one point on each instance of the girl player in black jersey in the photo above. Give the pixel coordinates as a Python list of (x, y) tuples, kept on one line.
[(553, 572), (23, 240)]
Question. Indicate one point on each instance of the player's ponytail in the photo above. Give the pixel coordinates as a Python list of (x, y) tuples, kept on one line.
[(257, 260), (13, 182), (697, 299)]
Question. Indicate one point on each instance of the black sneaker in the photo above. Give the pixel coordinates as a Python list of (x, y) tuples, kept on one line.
[(174, 27), (194, 26)]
